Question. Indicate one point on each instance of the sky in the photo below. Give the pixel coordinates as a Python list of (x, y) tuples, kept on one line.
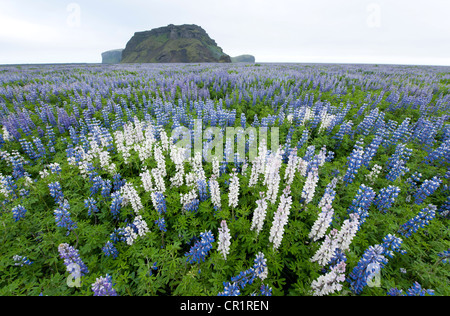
[(413, 32)]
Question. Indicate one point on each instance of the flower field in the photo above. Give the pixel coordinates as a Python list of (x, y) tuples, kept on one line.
[(224, 179)]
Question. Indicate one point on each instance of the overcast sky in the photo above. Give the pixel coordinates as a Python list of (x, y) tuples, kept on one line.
[(346, 31)]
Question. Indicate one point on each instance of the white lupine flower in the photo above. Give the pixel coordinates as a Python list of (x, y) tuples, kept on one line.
[(302, 166), (258, 164), (233, 194), (224, 239), (272, 175), (6, 135), (326, 251), (330, 282), (259, 214), (322, 223), (187, 198), (310, 185), (129, 136), (215, 192), (138, 130), (159, 180), (104, 159), (141, 226), (376, 169), (160, 160), (164, 140), (347, 233), (177, 156), (337, 240), (130, 235), (146, 179), (216, 167), (197, 167), (280, 219), (291, 168), (130, 195)]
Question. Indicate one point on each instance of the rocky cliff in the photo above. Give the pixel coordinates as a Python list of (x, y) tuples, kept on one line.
[(243, 59), (112, 56), (173, 44)]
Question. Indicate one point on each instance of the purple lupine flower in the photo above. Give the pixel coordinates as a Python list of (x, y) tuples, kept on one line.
[(103, 286)]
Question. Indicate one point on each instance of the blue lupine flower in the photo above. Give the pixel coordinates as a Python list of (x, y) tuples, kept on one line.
[(416, 290), (202, 190), (21, 261), (116, 204), (110, 250), (419, 221), (386, 198), (91, 205), (160, 202), (72, 260), (103, 286), (371, 262), (427, 188), (18, 212), (392, 244), (161, 222), (354, 162), (201, 248), (56, 192), (230, 289), (62, 217), (362, 202)]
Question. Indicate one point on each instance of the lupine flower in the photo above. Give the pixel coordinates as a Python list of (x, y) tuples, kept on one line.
[(18, 212), (233, 194), (414, 290), (362, 201), (386, 198), (56, 192), (224, 239), (310, 185), (427, 188), (159, 202), (419, 221), (281, 218), (161, 222), (116, 204), (259, 214), (371, 262), (230, 289), (72, 260), (201, 248), (325, 217), (354, 162), (21, 261), (258, 270), (330, 282), (215, 192), (202, 190), (110, 250), (62, 217), (103, 286), (130, 195), (91, 205), (272, 176)]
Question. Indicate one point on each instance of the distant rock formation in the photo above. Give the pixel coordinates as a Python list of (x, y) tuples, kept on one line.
[(112, 56), (243, 59), (173, 44)]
